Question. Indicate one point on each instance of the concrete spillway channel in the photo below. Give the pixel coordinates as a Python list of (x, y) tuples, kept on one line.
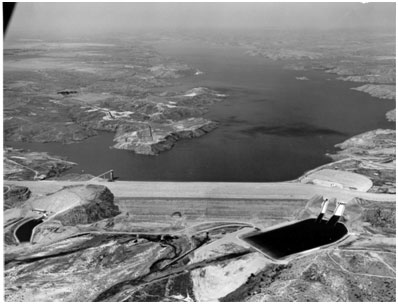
[(286, 241)]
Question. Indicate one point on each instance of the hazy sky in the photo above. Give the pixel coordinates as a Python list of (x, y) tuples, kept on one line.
[(74, 18)]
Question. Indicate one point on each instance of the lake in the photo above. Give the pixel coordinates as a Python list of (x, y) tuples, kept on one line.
[(273, 127)]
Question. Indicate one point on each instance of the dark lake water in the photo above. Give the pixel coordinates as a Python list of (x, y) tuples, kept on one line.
[(273, 127)]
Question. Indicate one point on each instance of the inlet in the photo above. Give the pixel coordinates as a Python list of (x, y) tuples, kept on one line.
[(24, 232), (295, 238)]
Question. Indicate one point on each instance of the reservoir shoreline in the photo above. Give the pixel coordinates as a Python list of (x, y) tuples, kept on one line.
[(272, 126)]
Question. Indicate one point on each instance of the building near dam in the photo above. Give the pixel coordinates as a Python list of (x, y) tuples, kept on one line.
[(338, 179)]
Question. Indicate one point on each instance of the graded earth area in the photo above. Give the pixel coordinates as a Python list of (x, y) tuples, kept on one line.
[(81, 243)]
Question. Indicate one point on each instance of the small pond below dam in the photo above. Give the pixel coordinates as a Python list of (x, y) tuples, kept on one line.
[(24, 232), (308, 234)]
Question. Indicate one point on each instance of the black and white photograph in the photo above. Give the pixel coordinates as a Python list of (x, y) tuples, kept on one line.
[(199, 151)]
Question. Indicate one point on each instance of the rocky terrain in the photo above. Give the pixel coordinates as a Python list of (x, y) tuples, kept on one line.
[(66, 92), (84, 249), (158, 139), (391, 115), (352, 56), (360, 57), (372, 154), (378, 90), (337, 274), (25, 165), (83, 244), (14, 196), (63, 210)]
